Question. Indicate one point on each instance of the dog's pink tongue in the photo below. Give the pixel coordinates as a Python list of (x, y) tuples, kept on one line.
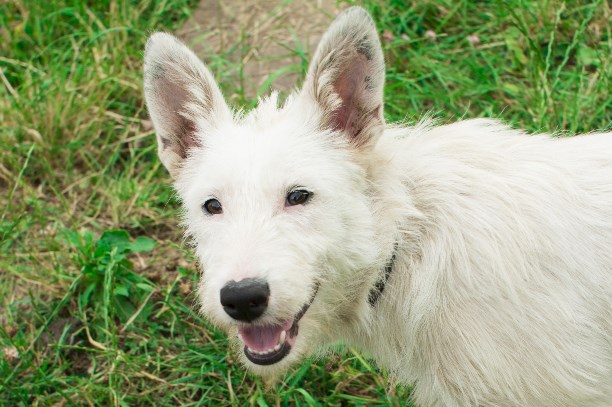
[(261, 338)]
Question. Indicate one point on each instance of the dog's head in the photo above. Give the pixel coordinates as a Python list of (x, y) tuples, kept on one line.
[(278, 201)]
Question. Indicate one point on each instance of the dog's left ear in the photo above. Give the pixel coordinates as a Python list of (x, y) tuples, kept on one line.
[(347, 75)]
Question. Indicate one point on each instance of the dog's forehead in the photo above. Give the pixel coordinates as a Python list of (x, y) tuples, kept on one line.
[(264, 158)]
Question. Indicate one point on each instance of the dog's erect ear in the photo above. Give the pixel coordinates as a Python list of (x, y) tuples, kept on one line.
[(347, 75), (182, 97)]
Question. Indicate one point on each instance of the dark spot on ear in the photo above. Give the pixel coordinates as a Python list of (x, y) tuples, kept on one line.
[(166, 142), (368, 83), (157, 71), (189, 138), (183, 141), (376, 112), (364, 49)]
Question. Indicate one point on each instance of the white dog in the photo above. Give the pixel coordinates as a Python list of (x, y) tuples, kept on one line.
[(470, 260)]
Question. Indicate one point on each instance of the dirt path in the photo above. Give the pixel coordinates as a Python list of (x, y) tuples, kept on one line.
[(262, 34)]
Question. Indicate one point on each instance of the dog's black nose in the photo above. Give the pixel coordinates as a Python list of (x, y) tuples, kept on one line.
[(246, 299)]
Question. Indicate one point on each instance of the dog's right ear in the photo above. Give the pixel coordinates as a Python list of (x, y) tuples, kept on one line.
[(183, 99)]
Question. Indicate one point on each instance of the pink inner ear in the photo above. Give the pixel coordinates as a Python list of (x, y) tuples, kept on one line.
[(350, 86), (182, 129)]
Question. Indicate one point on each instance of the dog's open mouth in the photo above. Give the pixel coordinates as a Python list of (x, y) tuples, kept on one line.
[(269, 344)]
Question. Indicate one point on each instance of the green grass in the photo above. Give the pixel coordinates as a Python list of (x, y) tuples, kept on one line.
[(92, 316)]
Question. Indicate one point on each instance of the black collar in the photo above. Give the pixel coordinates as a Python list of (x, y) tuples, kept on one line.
[(379, 287)]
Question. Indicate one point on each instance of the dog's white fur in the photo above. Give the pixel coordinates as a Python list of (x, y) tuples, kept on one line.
[(500, 289)]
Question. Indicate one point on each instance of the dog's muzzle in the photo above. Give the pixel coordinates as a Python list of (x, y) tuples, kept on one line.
[(268, 344)]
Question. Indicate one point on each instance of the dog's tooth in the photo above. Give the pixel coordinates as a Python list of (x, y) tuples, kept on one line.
[(277, 347), (283, 335)]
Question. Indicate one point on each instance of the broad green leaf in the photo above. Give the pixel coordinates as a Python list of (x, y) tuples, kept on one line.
[(145, 287), (142, 244), (111, 239), (121, 290)]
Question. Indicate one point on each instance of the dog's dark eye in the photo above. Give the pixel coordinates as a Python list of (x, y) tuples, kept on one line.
[(297, 197), (213, 207)]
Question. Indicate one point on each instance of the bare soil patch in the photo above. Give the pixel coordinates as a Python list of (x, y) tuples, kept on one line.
[(260, 35)]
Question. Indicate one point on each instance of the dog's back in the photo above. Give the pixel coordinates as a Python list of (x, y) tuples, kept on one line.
[(507, 299)]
